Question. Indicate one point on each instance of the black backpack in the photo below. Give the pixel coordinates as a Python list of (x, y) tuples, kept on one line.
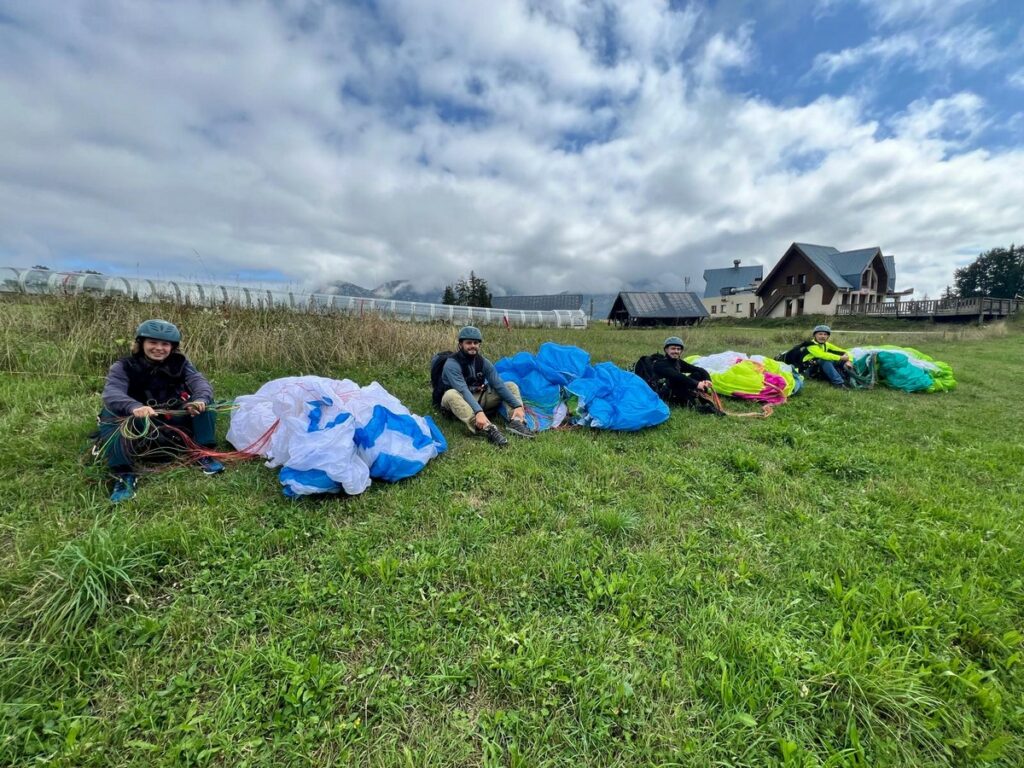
[(437, 367), (794, 356), (644, 368)]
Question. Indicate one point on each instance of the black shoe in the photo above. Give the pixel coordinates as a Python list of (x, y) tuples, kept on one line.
[(518, 427), (706, 406), (495, 436)]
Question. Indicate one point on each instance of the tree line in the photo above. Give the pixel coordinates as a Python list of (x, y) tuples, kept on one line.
[(470, 292), (998, 273)]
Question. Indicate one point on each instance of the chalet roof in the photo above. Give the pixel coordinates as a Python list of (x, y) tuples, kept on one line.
[(651, 304), (890, 270), (851, 264), (841, 268), (715, 280)]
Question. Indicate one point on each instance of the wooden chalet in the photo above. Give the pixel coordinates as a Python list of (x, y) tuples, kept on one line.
[(817, 279)]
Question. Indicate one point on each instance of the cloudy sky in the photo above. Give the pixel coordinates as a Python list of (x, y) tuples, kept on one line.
[(548, 144)]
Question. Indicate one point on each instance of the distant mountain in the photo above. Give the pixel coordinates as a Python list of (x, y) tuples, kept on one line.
[(399, 290), (402, 290), (341, 288)]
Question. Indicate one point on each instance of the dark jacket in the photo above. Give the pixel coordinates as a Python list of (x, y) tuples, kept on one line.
[(682, 377), (134, 381)]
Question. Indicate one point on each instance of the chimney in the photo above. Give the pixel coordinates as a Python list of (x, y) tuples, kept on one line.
[(736, 263)]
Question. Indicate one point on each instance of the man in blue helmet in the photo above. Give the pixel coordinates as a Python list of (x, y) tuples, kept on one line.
[(155, 377), (683, 382), (469, 389), (824, 360)]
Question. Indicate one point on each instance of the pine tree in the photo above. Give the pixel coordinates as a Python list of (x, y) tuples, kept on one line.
[(449, 296), (479, 296)]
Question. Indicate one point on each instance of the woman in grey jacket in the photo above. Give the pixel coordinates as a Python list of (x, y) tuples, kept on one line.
[(155, 377)]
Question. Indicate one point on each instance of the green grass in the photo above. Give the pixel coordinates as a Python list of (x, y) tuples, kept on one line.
[(838, 585)]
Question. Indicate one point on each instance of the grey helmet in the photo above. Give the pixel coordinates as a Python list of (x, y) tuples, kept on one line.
[(471, 333), (822, 329), (673, 341), (161, 330)]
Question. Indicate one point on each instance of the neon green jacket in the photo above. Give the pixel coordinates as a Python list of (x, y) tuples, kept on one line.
[(826, 351)]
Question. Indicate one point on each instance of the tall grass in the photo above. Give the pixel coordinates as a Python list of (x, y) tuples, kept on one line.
[(84, 579)]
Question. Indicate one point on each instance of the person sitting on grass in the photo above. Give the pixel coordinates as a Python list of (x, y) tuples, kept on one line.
[(469, 389), (824, 360), (155, 377), (683, 382)]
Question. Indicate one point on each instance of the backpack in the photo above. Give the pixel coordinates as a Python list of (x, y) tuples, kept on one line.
[(437, 368), (644, 368), (794, 356)]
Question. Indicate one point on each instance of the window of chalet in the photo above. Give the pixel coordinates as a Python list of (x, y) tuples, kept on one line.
[(802, 279), (714, 309), (789, 279), (739, 309)]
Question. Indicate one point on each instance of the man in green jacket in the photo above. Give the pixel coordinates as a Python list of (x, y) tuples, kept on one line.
[(825, 360)]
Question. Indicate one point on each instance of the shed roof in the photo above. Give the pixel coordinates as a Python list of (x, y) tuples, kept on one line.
[(667, 304)]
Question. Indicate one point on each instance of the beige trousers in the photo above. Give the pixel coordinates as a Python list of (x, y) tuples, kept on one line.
[(489, 400)]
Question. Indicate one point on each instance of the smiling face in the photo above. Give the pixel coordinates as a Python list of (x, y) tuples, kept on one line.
[(156, 349), (673, 351), (821, 337), (470, 347)]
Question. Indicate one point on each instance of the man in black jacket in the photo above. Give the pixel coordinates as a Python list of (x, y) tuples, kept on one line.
[(684, 382)]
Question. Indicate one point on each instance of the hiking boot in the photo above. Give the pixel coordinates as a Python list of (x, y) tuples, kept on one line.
[(210, 465), (519, 428), (706, 406), (495, 436), (124, 488)]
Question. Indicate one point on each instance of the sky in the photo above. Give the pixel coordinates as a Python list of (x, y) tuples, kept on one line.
[(548, 145)]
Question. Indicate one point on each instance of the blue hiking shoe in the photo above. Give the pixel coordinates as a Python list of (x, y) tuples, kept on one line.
[(210, 466), (124, 488)]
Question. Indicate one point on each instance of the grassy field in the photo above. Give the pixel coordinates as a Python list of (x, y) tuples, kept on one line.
[(838, 585)]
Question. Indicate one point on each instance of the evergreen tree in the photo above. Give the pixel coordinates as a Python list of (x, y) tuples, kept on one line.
[(462, 292), (478, 295), (468, 293), (998, 273)]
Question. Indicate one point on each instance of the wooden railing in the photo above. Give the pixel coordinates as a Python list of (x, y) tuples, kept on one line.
[(979, 306)]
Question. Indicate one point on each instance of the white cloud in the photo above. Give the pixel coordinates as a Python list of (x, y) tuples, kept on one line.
[(547, 145), (952, 122), (965, 46), (896, 11)]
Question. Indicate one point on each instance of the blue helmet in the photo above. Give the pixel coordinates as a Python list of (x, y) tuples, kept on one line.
[(673, 341), (471, 333), (822, 329), (161, 330)]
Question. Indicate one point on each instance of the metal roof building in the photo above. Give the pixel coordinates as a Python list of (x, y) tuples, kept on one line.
[(731, 280), (542, 303), (638, 308)]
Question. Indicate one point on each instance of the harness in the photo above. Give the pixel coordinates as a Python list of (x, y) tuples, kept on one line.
[(161, 385)]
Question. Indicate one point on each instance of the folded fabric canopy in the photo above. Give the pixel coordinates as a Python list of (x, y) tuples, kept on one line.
[(901, 368), (333, 435), (752, 377), (607, 396)]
